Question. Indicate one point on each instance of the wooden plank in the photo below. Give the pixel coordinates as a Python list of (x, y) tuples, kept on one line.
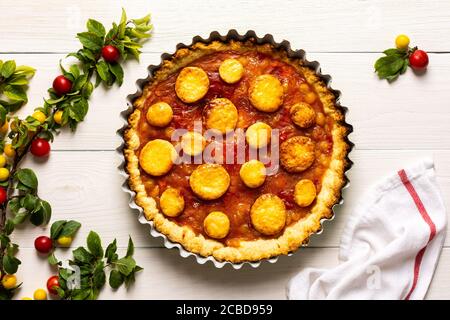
[(168, 276), (86, 186), (325, 25), (384, 117)]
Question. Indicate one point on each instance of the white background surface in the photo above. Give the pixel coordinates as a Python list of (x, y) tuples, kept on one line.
[(394, 123)]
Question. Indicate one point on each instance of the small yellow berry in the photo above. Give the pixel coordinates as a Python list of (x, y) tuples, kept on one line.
[(4, 174), (2, 160), (402, 42), (9, 151), (4, 128), (64, 241), (40, 294), (58, 116), (26, 298), (39, 116), (9, 281)]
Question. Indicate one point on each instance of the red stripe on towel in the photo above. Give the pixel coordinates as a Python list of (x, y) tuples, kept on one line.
[(423, 212)]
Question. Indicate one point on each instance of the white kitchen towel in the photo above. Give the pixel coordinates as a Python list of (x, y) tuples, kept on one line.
[(390, 246)]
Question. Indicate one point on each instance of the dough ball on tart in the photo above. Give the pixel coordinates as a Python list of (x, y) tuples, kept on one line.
[(192, 84), (304, 192), (268, 214), (302, 114), (217, 225), (209, 181), (171, 202), (258, 135), (297, 153), (231, 70), (266, 93), (157, 157), (193, 143), (221, 115), (159, 114), (253, 173)]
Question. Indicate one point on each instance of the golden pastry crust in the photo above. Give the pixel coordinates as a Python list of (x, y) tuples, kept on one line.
[(293, 235), (268, 214), (192, 84), (297, 153), (266, 93), (209, 181), (221, 115), (217, 225)]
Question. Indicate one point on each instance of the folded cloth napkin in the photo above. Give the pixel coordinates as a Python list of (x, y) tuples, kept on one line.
[(390, 246)]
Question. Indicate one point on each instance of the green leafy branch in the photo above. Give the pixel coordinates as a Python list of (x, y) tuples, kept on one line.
[(92, 261), (66, 105)]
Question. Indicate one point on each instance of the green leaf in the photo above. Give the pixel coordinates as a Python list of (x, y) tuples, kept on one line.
[(103, 71), (46, 210), (87, 90), (395, 52), (9, 226), (10, 264), (79, 82), (90, 41), (125, 265), (18, 80), (80, 254), (14, 205), (20, 217), (94, 244), (27, 177), (69, 229), (16, 93), (3, 113), (8, 68), (81, 294), (117, 71), (96, 27), (52, 260), (122, 24), (110, 253), (143, 20), (37, 218), (25, 70), (79, 110), (99, 276), (75, 71), (115, 279), (29, 202), (56, 228), (130, 248)]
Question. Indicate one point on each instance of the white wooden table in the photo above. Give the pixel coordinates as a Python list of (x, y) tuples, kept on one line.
[(394, 124)]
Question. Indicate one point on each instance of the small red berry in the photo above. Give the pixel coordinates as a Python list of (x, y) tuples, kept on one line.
[(3, 195), (52, 283), (418, 59), (40, 147), (43, 244), (110, 53), (62, 85)]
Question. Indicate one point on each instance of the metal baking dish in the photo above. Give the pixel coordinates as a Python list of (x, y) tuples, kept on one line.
[(215, 36)]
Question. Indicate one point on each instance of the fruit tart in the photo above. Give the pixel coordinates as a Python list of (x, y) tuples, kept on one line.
[(236, 150)]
